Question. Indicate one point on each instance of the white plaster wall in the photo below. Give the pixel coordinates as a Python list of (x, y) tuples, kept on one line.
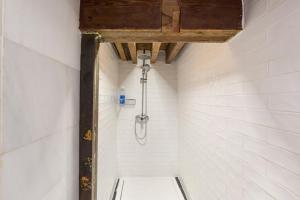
[(159, 156), (239, 114), (108, 113), (40, 100)]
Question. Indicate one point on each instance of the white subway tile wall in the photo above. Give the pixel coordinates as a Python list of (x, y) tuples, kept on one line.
[(108, 113), (159, 156), (40, 100), (239, 119)]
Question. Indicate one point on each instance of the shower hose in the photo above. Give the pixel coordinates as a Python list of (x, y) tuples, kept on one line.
[(145, 132)]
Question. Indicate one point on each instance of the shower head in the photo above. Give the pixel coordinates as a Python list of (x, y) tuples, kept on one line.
[(146, 68)]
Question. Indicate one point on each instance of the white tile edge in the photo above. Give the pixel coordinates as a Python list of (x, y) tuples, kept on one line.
[(1, 76)]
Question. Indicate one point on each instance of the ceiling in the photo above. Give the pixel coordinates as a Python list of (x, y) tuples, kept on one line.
[(160, 24)]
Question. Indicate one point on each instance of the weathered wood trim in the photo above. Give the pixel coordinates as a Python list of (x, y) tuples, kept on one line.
[(88, 125), (167, 37)]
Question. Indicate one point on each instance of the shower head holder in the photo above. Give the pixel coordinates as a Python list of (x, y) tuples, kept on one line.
[(142, 118)]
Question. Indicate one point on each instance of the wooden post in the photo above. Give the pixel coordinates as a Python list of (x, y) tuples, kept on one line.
[(88, 126)]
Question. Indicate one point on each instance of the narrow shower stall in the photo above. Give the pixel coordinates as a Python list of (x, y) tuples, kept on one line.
[(137, 137)]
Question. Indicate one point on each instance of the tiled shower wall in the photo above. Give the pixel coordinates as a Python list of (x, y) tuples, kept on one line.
[(159, 156), (108, 113), (239, 113), (40, 100)]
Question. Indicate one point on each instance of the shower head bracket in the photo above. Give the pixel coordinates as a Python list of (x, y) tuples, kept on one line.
[(142, 118)]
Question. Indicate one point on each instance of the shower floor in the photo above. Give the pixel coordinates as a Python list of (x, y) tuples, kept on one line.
[(148, 189)]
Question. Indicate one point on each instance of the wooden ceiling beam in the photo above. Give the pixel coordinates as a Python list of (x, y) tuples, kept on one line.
[(211, 14), (133, 51), (120, 14), (171, 20), (121, 51), (170, 16), (173, 51), (155, 51), (170, 37), (148, 46)]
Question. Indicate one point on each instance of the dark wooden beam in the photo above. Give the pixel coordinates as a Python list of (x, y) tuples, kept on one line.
[(121, 51), (162, 20), (211, 14), (116, 14), (173, 50), (133, 53), (155, 51), (88, 125)]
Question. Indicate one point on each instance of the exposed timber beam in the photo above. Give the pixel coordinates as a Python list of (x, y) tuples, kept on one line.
[(171, 20), (117, 14), (132, 50), (170, 16), (211, 14), (155, 51), (173, 50), (121, 51), (169, 37)]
